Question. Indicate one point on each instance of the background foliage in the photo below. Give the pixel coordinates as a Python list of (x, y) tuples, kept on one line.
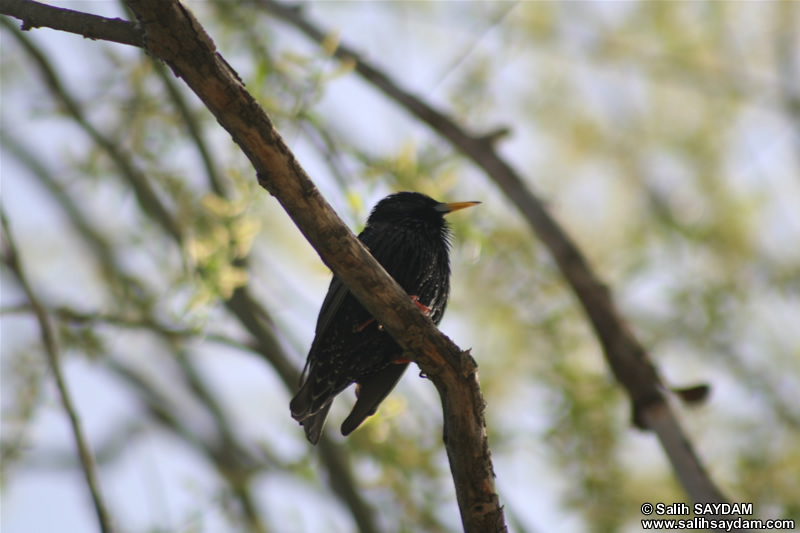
[(665, 136)]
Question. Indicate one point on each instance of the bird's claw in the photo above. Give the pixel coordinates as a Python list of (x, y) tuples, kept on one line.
[(422, 307)]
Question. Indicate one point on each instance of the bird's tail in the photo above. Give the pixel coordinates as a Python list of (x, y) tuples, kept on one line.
[(313, 424), (302, 407)]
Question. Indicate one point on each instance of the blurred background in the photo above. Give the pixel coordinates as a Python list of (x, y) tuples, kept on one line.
[(665, 137)]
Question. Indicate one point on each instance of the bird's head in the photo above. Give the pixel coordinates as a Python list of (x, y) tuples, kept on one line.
[(413, 207)]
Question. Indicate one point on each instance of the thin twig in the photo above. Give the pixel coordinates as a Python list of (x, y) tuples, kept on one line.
[(11, 258), (194, 128), (37, 15)]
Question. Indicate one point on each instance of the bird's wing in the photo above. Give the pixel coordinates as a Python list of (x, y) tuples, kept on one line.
[(338, 291), (331, 304), (372, 391)]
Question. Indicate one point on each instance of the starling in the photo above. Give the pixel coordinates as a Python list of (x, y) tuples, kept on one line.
[(407, 234)]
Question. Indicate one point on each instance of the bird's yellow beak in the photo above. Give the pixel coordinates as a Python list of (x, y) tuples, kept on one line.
[(449, 208)]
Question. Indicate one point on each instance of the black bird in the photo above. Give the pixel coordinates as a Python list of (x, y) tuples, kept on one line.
[(407, 234)]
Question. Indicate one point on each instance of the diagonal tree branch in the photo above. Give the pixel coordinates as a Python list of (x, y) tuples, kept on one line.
[(627, 358), (12, 260)]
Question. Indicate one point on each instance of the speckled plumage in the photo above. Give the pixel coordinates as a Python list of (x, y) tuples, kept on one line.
[(407, 234)]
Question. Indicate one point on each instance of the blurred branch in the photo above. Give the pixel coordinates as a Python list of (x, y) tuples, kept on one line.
[(145, 194), (119, 441), (203, 393), (110, 267), (232, 460), (177, 38), (325, 144), (627, 358), (752, 377), (788, 58), (503, 10), (24, 374), (194, 129), (12, 260), (36, 15), (149, 323), (233, 463)]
